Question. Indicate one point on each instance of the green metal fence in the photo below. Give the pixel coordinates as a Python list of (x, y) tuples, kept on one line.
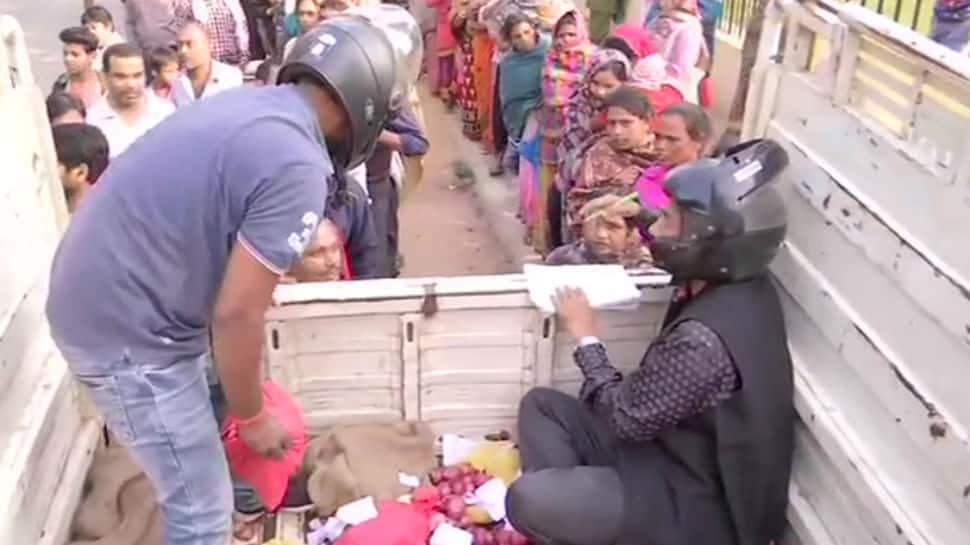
[(915, 14)]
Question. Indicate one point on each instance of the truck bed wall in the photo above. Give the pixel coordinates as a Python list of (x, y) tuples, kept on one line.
[(46, 434)]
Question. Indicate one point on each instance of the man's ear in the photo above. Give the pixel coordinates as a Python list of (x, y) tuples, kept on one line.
[(81, 174), (75, 177)]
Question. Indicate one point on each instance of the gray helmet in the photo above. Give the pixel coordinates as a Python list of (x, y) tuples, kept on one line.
[(355, 61), (732, 219)]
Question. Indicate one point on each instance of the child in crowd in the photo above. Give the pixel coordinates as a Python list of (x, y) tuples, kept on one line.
[(65, 108), (163, 67), (82, 155), (80, 77), (99, 21)]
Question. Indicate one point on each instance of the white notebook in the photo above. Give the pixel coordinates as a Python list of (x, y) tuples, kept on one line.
[(606, 286)]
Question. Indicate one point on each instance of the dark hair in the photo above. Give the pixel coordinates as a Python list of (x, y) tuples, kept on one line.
[(98, 14), (78, 35), (159, 58), (122, 51), (617, 68), (60, 103), (630, 99), (696, 121), (81, 144), (513, 21), (264, 72), (621, 45)]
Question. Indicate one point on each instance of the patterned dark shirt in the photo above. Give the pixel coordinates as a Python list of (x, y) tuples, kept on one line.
[(685, 372)]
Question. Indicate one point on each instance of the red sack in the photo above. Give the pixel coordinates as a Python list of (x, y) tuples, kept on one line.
[(396, 524), (269, 477)]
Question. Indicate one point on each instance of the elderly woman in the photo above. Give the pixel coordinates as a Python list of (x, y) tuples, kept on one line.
[(611, 227), (615, 160), (681, 136)]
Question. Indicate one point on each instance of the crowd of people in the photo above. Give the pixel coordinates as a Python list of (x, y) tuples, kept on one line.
[(121, 88), (577, 113), (573, 120), (194, 194)]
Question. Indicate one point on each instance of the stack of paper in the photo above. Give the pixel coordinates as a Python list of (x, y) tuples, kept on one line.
[(606, 286)]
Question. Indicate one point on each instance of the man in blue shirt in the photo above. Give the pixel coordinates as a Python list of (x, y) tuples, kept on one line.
[(186, 234)]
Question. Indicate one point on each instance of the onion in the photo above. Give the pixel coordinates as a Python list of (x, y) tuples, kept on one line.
[(465, 523), (517, 538), (458, 487), (435, 475), (454, 507), (449, 474), (480, 479), (482, 536), (501, 538), (466, 469), (444, 489), (469, 482)]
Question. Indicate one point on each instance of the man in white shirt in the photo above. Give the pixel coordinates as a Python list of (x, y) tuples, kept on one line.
[(203, 76), (126, 112)]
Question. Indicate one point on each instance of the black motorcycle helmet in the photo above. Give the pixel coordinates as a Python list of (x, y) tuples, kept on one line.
[(355, 61), (733, 219)]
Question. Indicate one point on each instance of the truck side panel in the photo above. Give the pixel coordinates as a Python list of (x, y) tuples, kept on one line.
[(47, 435)]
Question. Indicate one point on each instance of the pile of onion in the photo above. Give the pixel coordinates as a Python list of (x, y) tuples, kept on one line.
[(449, 486)]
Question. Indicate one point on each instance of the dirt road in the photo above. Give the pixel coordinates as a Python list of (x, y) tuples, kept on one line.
[(443, 230)]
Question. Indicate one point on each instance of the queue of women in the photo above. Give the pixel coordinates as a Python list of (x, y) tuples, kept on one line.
[(590, 127)]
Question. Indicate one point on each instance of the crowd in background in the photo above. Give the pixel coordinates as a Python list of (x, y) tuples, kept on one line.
[(115, 88), (578, 108), (574, 106)]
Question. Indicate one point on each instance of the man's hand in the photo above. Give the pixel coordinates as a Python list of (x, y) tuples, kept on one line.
[(390, 140), (573, 306), (265, 435)]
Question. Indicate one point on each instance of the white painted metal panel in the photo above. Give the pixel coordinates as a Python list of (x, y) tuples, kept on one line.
[(46, 435), (462, 368), (875, 278)]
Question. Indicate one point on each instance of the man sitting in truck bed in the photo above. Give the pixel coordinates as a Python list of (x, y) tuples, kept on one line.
[(695, 446)]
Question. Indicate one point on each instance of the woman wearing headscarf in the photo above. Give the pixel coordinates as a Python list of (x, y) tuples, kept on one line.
[(610, 227), (650, 72), (443, 72), (653, 75), (585, 116), (565, 69), (681, 136), (462, 25), (616, 159), (632, 40), (680, 37)]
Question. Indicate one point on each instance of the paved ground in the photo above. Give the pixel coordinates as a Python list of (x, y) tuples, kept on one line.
[(42, 20)]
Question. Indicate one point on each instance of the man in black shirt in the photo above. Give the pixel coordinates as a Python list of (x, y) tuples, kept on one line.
[(694, 447)]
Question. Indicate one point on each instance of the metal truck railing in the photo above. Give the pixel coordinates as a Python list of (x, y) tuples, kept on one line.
[(913, 14), (874, 273)]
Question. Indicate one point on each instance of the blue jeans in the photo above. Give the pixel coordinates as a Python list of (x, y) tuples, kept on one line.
[(245, 497), (164, 416)]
